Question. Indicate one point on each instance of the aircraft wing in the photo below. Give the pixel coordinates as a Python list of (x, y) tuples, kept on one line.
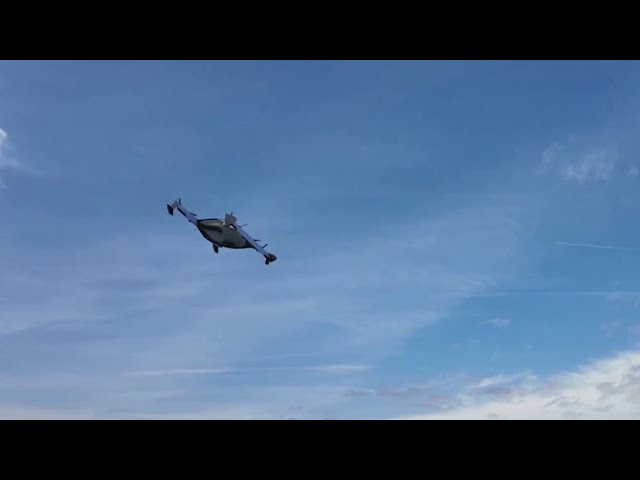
[(250, 239), (231, 220)]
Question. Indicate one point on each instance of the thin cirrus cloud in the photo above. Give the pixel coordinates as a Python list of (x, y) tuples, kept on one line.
[(329, 369), (9, 160), (574, 162), (6, 162), (603, 247)]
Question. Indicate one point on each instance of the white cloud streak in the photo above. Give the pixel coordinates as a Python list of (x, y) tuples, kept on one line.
[(591, 245), (184, 371), (329, 369), (8, 160)]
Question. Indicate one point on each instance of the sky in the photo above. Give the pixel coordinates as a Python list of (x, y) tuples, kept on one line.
[(455, 239)]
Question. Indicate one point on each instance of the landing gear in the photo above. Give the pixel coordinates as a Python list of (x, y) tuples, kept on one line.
[(267, 262), (215, 248), (169, 209)]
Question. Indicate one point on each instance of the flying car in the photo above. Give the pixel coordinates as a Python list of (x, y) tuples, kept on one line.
[(222, 233)]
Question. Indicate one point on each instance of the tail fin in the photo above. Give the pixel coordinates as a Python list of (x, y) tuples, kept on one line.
[(172, 206), (191, 216)]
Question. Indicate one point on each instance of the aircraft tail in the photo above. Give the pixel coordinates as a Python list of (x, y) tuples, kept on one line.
[(192, 217), (172, 206)]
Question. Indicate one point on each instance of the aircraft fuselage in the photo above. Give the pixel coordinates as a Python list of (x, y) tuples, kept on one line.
[(215, 231)]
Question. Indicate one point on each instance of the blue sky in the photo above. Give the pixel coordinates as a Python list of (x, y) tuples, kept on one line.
[(454, 239)]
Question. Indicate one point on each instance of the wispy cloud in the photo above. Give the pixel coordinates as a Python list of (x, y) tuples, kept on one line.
[(183, 371), (604, 389), (594, 166), (6, 162), (3, 140), (330, 369), (576, 163), (591, 245), (9, 161), (504, 380), (18, 412), (610, 294), (341, 369), (148, 397), (409, 391), (498, 322)]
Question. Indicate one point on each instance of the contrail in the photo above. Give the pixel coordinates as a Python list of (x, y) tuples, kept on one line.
[(607, 247)]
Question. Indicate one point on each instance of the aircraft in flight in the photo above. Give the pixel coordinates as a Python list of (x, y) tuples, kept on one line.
[(222, 233)]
